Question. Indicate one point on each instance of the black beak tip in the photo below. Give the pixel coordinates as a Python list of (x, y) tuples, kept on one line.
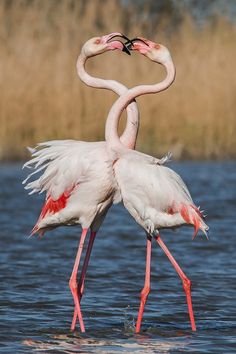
[(126, 50), (129, 45)]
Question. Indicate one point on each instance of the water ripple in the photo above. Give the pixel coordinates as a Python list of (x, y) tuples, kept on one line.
[(36, 304)]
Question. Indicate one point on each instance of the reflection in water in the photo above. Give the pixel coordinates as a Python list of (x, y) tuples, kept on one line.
[(36, 303), (139, 344)]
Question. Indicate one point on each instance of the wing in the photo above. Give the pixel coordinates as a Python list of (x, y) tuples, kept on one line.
[(60, 166), (155, 184), (155, 195)]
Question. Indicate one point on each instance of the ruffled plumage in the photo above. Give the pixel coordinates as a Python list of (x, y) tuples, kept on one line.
[(76, 176), (155, 195)]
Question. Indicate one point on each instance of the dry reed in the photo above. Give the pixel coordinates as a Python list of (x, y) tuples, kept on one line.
[(42, 97)]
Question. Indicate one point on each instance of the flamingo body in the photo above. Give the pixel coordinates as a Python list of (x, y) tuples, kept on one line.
[(155, 195), (78, 180)]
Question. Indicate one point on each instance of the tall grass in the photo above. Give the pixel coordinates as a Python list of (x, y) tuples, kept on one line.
[(42, 97)]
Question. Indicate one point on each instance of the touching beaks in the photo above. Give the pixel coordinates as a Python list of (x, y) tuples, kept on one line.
[(137, 43), (114, 38), (125, 49)]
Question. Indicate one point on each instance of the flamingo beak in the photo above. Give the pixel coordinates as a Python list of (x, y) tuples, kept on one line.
[(114, 38), (136, 44)]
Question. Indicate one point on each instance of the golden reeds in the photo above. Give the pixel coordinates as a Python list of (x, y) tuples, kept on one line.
[(42, 97)]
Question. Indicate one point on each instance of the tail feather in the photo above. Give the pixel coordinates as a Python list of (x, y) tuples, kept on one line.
[(192, 215), (35, 230)]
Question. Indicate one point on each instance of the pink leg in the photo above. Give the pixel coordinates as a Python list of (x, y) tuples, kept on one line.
[(185, 280), (80, 289), (73, 281), (146, 289)]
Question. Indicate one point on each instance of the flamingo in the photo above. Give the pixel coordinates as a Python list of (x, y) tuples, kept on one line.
[(153, 194), (77, 176), (129, 136)]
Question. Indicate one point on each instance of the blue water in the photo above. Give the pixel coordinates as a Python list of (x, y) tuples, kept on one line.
[(36, 305)]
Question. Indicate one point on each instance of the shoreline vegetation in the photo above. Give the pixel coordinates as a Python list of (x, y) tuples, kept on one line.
[(43, 99)]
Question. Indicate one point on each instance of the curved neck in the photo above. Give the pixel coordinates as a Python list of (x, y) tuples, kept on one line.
[(129, 136), (117, 108)]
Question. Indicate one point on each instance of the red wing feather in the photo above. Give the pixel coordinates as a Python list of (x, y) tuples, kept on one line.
[(51, 207)]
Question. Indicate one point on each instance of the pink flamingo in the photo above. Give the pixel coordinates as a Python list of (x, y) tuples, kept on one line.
[(78, 176), (154, 195), (129, 136)]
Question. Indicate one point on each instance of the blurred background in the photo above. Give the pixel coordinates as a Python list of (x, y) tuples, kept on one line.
[(42, 97)]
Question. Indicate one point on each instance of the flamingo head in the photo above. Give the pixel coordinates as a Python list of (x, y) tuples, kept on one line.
[(154, 51), (99, 45)]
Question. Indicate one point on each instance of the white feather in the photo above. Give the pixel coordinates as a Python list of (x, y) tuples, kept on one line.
[(68, 165), (149, 190)]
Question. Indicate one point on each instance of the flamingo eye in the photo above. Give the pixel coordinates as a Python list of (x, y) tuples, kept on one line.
[(97, 41), (157, 46)]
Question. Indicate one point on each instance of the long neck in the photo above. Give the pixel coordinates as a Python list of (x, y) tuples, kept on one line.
[(129, 136), (117, 108)]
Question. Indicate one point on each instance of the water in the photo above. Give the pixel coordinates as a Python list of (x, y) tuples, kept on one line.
[(36, 304)]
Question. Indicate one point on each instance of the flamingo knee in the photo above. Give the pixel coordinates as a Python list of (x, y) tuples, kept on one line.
[(187, 285), (144, 294), (187, 288), (73, 285)]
